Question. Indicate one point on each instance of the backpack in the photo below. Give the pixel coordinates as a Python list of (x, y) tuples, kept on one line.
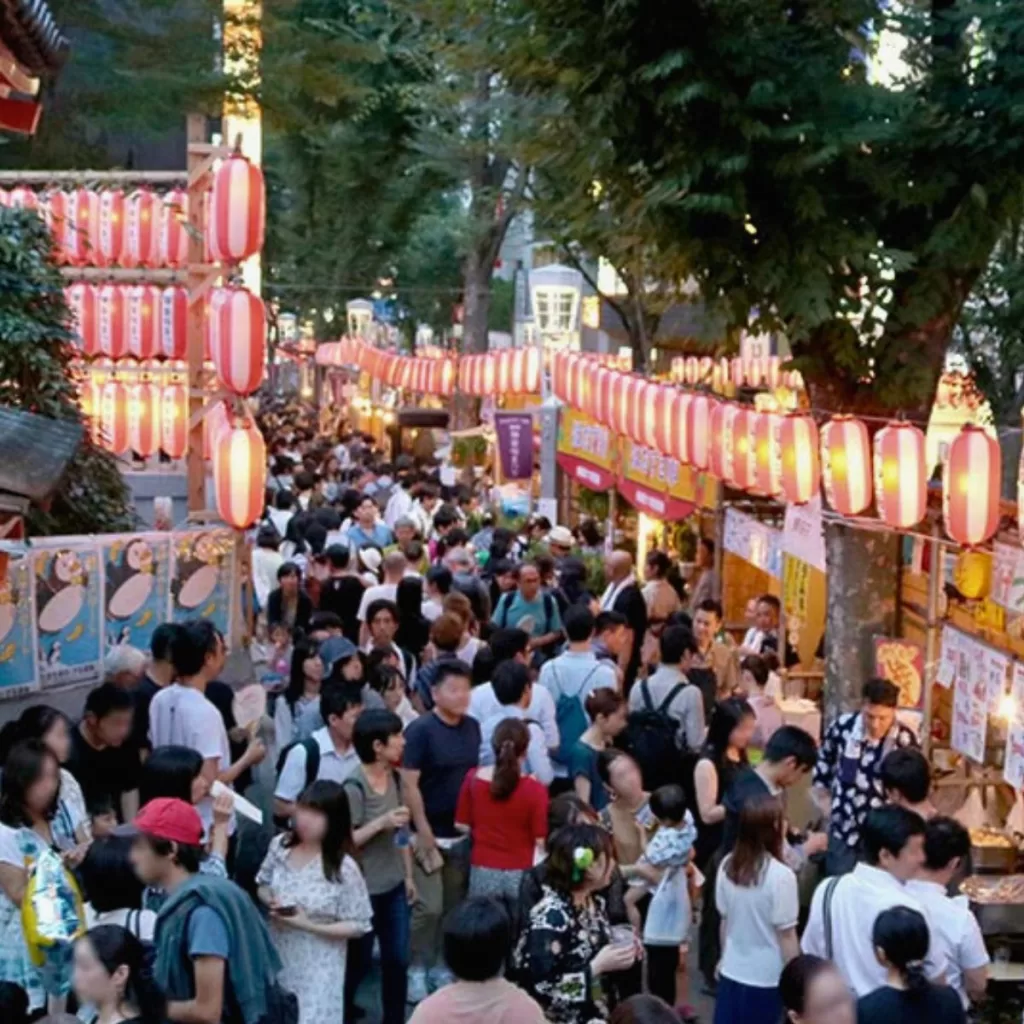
[(312, 749), (650, 739), (570, 716)]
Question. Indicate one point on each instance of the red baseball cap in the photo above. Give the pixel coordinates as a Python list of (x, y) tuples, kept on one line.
[(170, 819)]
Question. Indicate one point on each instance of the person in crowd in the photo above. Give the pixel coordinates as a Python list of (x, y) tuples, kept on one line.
[(266, 563), (623, 595), (643, 1009), (500, 576), (111, 975), (532, 610), (304, 484), (513, 689), (901, 940), (627, 816), (437, 584), (159, 674), (459, 605), (124, 666), (477, 934), (29, 792), (669, 691), (380, 825), (572, 583), (441, 747), (14, 1004), (382, 625), (947, 846), (714, 668), (370, 561), (214, 959), (294, 548), (183, 715), (611, 636), (367, 529), (288, 604), (847, 777), (394, 567), (327, 755), (706, 584), (302, 695), (342, 591), (317, 900), (466, 581), (814, 992), (281, 514), (892, 853), (505, 812), (662, 602), (401, 502), (112, 892), (425, 509), (607, 712), (757, 899), (566, 947), (386, 683), (560, 543), (101, 756), (906, 779), (413, 627), (445, 638), (763, 693)]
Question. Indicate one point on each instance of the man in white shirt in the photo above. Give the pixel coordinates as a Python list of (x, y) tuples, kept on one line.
[(437, 585), (181, 715), (340, 706), (513, 689), (400, 503), (577, 672), (946, 847), (893, 851), (395, 566)]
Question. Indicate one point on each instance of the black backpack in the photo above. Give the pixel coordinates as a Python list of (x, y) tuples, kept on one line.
[(312, 749), (650, 739)]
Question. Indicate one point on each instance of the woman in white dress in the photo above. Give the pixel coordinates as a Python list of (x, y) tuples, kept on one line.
[(318, 901)]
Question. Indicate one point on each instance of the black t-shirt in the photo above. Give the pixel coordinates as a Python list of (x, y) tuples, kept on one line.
[(746, 788), (935, 1005), (343, 595), (103, 774), (143, 694)]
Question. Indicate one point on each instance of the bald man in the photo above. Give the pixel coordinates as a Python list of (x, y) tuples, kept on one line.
[(623, 595)]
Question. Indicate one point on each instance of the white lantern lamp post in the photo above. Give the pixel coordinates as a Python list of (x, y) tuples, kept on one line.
[(359, 314)]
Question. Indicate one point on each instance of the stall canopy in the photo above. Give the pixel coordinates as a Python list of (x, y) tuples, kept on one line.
[(32, 48)]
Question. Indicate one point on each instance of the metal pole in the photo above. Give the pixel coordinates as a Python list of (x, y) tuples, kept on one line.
[(931, 644), (196, 473)]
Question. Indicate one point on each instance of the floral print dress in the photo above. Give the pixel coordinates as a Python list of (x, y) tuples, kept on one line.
[(314, 967), (552, 958)]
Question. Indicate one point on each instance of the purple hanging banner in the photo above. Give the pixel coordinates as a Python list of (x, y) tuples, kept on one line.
[(515, 444)]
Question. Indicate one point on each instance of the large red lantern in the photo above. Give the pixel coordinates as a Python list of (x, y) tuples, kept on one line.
[(83, 303), (142, 305), (215, 421), (641, 411), (971, 482), (666, 413), (144, 418), (106, 229), (112, 333), (172, 323), (738, 444), (114, 417), (600, 396), (172, 244), (796, 451), (22, 198), (141, 230), (240, 474), (901, 477), (763, 470), (846, 469), (239, 342), (174, 420), (621, 391), (679, 428), (717, 428), (81, 212), (237, 211), (445, 377), (698, 431)]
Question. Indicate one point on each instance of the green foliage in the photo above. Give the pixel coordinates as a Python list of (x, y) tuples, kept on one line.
[(36, 375)]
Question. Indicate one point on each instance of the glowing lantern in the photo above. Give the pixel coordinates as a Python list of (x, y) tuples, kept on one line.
[(114, 417), (144, 418), (237, 211), (642, 420), (971, 479), (739, 443), (679, 428), (600, 396), (81, 212), (83, 303), (172, 244), (106, 229), (22, 198), (172, 323), (717, 429), (620, 403), (90, 398), (215, 421), (737, 372), (691, 370), (112, 332), (446, 377), (240, 474), (698, 431), (846, 465), (796, 452), (141, 230), (174, 420), (901, 477), (239, 342), (666, 415), (773, 372), (762, 467), (142, 303)]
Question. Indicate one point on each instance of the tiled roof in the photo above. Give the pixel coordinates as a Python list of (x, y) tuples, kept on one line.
[(29, 31)]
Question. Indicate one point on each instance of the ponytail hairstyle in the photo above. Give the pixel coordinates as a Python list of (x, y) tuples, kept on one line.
[(116, 947), (900, 936), (510, 740)]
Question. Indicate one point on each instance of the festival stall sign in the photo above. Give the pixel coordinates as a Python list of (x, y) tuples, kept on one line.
[(660, 485), (753, 541), (18, 668), (970, 699), (1013, 762), (586, 450), (136, 569), (514, 432), (201, 573), (1008, 577), (68, 601), (902, 663), (803, 578)]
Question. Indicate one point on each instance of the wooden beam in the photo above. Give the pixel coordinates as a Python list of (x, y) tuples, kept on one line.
[(93, 177), (125, 275)]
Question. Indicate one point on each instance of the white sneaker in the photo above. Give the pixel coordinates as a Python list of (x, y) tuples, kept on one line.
[(439, 977), (417, 990)]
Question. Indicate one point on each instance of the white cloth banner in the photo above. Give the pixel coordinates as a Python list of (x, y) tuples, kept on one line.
[(753, 541), (802, 535), (970, 700), (1013, 763)]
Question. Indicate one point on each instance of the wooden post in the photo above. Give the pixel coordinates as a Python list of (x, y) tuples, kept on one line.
[(933, 638), (196, 472)]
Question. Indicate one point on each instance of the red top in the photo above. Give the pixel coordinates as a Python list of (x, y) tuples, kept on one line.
[(505, 832)]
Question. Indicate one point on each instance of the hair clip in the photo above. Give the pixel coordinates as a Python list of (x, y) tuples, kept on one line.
[(582, 858)]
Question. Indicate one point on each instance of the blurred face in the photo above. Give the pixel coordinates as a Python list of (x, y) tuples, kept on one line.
[(878, 719), (313, 669), (58, 740), (558, 550), (200, 788), (391, 751), (310, 825), (506, 581), (452, 696), (382, 628), (906, 864), (290, 585), (342, 725), (91, 982), (827, 1001), (650, 571), (404, 534), (215, 659), (764, 617), (278, 635), (599, 873), (790, 773), (393, 695), (529, 582), (615, 639), (367, 513), (611, 725), (741, 736), (149, 868), (705, 626), (113, 729), (625, 779), (352, 670)]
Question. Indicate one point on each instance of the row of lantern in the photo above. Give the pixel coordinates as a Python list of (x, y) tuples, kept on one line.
[(145, 322), (110, 228), (783, 456), (514, 371), (413, 373), (740, 371)]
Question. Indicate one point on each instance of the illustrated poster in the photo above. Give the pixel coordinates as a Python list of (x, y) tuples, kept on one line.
[(68, 597), (18, 674), (901, 662), (136, 570), (970, 701), (1013, 763), (949, 658), (201, 576)]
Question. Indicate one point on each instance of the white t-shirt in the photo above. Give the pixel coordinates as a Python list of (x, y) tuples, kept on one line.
[(956, 932), (10, 848), (380, 592), (431, 609), (141, 923), (484, 705), (467, 652), (753, 916), (182, 716)]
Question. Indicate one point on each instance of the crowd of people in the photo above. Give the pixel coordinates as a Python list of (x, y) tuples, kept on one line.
[(525, 799)]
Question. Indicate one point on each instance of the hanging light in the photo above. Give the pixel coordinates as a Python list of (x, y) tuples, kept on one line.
[(738, 372), (763, 469), (237, 211), (142, 303), (172, 324), (83, 303), (846, 465), (81, 209), (620, 403), (174, 420), (106, 229), (112, 330), (643, 415), (172, 244), (240, 474), (901, 479), (679, 428), (773, 372), (114, 417), (739, 448), (971, 482), (215, 421), (721, 412), (144, 401), (141, 230), (666, 415), (796, 450), (21, 197), (698, 431), (691, 370), (239, 342)]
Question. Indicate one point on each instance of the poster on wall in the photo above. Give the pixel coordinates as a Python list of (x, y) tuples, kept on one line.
[(201, 576), (68, 580), (970, 701), (901, 662), (1013, 763), (18, 671), (136, 571)]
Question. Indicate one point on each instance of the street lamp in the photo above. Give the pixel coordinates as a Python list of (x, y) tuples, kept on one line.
[(359, 313)]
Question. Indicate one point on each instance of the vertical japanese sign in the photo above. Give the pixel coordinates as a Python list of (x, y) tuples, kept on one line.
[(515, 444)]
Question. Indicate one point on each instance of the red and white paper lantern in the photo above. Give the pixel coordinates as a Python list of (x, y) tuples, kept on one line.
[(698, 431), (738, 448), (239, 341), (144, 401), (172, 244), (846, 469), (84, 305), (142, 308), (174, 420), (237, 211), (666, 414), (717, 429), (901, 476), (971, 481), (106, 229), (81, 213), (796, 453), (112, 332), (764, 471), (172, 323), (239, 474), (114, 417), (680, 428), (141, 246)]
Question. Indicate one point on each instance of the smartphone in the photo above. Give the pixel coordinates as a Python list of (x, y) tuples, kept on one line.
[(286, 909)]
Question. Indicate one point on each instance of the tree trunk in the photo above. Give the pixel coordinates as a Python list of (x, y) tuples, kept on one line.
[(863, 567), (476, 299)]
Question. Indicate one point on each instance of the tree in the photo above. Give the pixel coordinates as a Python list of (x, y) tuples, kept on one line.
[(36, 375), (852, 206)]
